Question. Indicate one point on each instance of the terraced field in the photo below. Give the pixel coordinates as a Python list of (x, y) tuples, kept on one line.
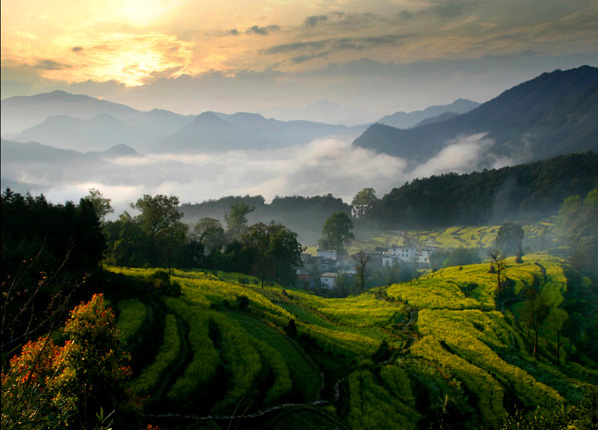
[(439, 349), (537, 236)]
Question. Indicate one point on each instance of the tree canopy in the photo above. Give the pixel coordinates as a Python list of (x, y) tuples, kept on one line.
[(363, 202), (578, 224), (274, 252), (157, 212), (337, 232), (236, 219), (509, 239)]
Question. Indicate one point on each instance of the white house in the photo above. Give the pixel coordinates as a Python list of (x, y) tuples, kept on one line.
[(407, 254), (399, 253), (424, 256), (328, 280)]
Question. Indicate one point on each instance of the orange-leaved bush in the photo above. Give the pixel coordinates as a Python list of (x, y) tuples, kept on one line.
[(68, 384)]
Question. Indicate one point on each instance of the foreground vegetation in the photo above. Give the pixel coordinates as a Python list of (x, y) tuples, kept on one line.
[(500, 344), (438, 351)]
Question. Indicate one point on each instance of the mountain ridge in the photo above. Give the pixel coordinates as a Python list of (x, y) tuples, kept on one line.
[(550, 115)]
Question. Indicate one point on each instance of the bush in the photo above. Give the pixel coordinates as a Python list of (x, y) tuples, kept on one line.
[(242, 302), (161, 283)]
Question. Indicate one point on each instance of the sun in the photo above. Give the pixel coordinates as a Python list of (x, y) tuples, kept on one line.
[(141, 13)]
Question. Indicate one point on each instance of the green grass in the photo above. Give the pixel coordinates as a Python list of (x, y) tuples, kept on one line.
[(149, 379), (463, 341), (132, 315)]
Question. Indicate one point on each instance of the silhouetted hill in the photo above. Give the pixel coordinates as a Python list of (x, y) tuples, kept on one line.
[(213, 132), (412, 119), (523, 192), (92, 134), (325, 111), (210, 133), (51, 163), (435, 119), (121, 150), (552, 114), (21, 112)]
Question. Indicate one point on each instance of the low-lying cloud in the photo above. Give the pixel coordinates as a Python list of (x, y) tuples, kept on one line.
[(323, 166), (461, 155)]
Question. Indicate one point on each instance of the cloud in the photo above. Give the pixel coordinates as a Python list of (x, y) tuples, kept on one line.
[(323, 166), (303, 58), (461, 155), (76, 49), (338, 44), (51, 65), (449, 9), (262, 30), (312, 21)]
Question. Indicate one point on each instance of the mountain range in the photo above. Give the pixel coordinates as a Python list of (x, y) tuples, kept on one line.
[(553, 114), (84, 123), (417, 118)]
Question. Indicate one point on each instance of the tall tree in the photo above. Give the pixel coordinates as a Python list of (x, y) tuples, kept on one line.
[(209, 232), (236, 219), (578, 225), (534, 311), (159, 219), (337, 232), (363, 202), (157, 213), (498, 265), (274, 252), (509, 239), (101, 205), (361, 262)]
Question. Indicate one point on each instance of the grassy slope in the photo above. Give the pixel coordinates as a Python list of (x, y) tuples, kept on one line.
[(455, 354)]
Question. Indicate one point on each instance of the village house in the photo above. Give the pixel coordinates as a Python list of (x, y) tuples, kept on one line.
[(407, 254), (328, 280)]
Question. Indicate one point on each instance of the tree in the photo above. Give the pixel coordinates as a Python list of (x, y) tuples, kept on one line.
[(159, 219), (555, 322), (51, 386), (363, 202), (534, 311), (337, 232), (509, 239), (46, 252), (236, 219), (95, 362), (578, 224), (101, 205), (209, 232), (157, 213), (361, 261), (498, 265), (274, 252)]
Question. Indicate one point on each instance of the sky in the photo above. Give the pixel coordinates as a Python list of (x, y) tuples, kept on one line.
[(383, 56)]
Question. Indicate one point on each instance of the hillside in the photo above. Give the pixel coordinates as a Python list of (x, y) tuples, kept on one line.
[(550, 115), (524, 192), (442, 348), (19, 113), (414, 119)]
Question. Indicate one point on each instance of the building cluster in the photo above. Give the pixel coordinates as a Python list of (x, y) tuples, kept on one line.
[(327, 266)]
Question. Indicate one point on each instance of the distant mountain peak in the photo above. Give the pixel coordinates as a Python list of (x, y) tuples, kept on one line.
[(121, 150)]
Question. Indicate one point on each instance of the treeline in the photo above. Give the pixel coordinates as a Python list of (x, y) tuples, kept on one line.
[(157, 237), (519, 193), (304, 215), (49, 251)]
